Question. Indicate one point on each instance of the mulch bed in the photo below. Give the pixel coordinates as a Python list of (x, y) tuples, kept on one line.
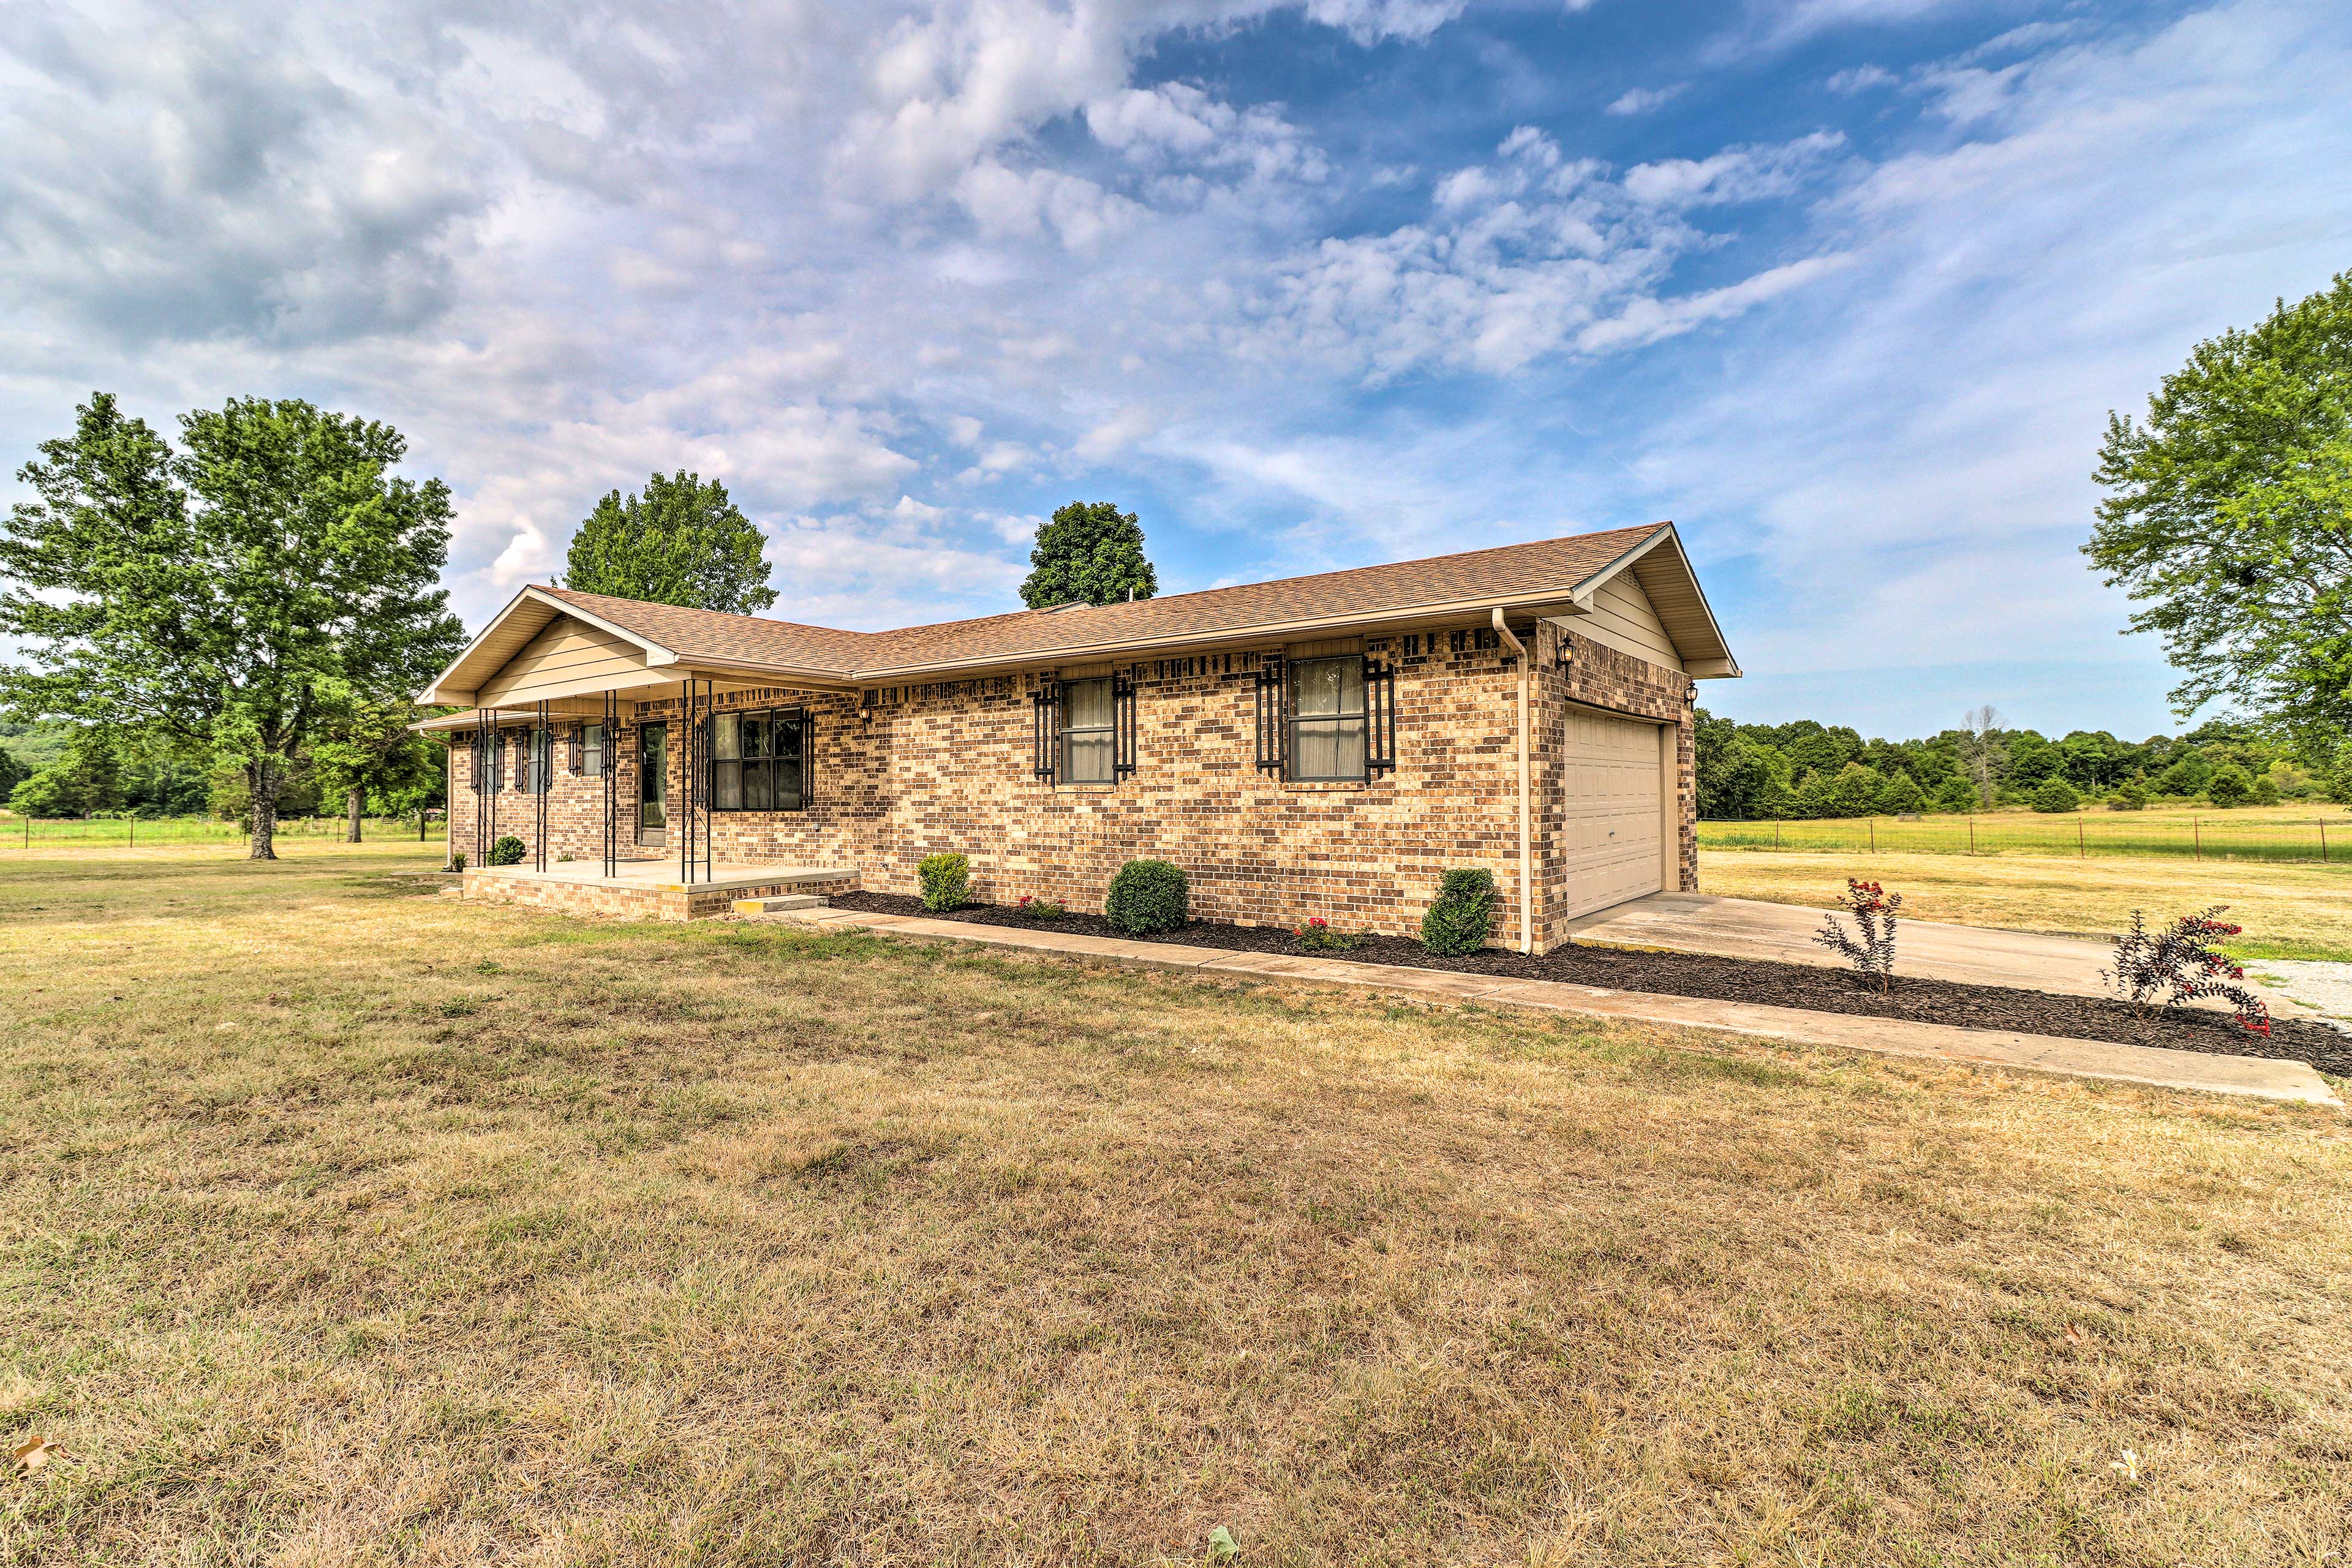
[(1739, 980)]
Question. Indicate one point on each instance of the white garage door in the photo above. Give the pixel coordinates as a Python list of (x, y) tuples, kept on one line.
[(1611, 850)]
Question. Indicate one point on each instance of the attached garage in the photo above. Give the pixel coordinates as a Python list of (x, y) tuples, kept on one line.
[(1613, 828)]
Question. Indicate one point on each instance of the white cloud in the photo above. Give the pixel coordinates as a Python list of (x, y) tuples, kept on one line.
[(1642, 99), (1734, 175), (1862, 79)]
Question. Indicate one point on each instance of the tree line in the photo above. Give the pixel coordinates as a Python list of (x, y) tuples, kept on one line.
[(1805, 769)]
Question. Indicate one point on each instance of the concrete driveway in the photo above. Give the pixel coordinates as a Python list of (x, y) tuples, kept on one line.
[(1974, 955)]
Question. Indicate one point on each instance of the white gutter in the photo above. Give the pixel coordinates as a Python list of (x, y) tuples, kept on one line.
[(1527, 838)]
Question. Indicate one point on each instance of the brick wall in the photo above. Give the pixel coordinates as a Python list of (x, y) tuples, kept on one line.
[(949, 766)]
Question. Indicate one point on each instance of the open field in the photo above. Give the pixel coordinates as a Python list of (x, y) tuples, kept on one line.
[(2289, 911), (22, 833), (340, 1223), (2314, 831)]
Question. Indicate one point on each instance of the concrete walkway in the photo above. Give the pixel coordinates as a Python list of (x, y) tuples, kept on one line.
[(1783, 933), (2254, 1075)]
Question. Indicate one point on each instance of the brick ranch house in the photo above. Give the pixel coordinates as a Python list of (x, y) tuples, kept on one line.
[(1323, 745)]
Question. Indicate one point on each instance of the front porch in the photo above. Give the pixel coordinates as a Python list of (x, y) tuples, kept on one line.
[(651, 890)]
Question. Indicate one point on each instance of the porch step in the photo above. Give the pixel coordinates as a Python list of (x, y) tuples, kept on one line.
[(779, 904)]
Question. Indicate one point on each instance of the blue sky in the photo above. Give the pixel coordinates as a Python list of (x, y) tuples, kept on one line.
[(1847, 288)]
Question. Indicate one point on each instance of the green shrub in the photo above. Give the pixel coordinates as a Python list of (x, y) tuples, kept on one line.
[(2230, 787), (2055, 794), (1038, 909), (456, 860), (1465, 911), (1148, 896), (947, 881), (505, 851), (2133, 796)]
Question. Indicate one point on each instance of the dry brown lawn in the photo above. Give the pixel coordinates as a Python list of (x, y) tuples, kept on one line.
[(2288, 910), (344, 1224)]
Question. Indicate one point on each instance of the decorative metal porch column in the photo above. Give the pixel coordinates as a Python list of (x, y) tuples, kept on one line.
[(610, 766), (485, 736), (543, 782), (694, 746)]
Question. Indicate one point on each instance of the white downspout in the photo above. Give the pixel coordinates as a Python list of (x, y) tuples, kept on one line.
[(1527, 855)]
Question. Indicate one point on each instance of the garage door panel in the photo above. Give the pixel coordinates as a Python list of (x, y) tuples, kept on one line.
[(1610, 849)]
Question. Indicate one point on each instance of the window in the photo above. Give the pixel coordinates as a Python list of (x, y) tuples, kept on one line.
[(534, 767), (1326, 723), (588, 751), (1085, 731), (760, 761), (1322, 721), (1087, 722)]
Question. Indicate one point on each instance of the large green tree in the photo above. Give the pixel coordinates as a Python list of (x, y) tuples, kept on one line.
[(216, 596), (1090, 554), (681, 541), (2230, 512), (367, 749)]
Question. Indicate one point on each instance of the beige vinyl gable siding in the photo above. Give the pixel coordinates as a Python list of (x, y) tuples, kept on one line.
[(1621, 618), (565, 654)]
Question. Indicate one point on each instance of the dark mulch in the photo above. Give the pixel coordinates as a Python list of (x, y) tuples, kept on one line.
[(1743, 980)]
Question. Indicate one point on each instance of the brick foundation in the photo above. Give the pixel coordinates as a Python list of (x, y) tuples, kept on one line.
[(949, 766)]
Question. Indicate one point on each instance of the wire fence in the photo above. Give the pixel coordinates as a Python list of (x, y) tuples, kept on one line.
[(129, 832), (2190, 838)]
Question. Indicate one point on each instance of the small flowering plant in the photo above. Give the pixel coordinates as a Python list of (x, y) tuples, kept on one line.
[(1870, 948), (1037, 908), (1319, 932), (2177, 964)]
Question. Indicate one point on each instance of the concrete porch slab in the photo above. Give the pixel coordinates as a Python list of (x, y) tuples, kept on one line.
[(2154, 1067), (662, 875), (646, 890)]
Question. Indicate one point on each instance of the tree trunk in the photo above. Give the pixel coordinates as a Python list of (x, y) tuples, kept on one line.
[(263, 779), (353, 798)]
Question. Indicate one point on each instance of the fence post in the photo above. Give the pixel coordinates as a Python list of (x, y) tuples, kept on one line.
[(2196, 838), (2082, 850), (2322, 844), (1776, 833), (1873, 836), (1972, 835)]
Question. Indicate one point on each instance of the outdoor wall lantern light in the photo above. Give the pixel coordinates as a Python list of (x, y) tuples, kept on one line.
[(866, 709), (1692, 695)]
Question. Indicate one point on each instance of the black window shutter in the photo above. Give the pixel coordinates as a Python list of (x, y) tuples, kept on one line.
[(1379, 717), (1046, 712), (808, 756), (1122, 720), (1273, 720), (579, 746)]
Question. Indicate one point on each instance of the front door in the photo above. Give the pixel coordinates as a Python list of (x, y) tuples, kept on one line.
[(653, 784)]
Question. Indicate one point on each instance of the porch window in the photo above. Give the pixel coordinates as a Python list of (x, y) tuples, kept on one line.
[(534, 771), (758, 761), (588, 751)]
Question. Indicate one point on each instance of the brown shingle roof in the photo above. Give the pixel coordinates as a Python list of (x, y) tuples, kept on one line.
[(1506, 573)]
